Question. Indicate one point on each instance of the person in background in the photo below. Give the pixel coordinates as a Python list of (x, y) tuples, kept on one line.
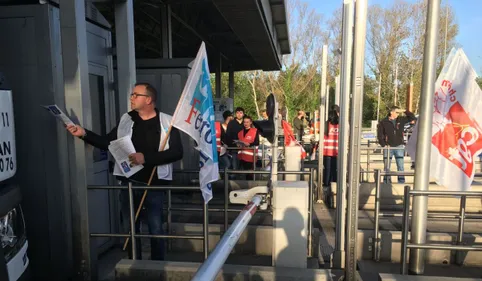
[(223, 157), (264, 115), (298, 125), (390, 135), (248, 137), (330, 146), (234, 127), (147, 128)]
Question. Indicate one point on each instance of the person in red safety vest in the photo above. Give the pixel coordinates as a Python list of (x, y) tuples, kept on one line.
[(330, 146), (248, 137), (223, 157)]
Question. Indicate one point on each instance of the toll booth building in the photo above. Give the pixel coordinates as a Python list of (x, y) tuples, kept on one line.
[(85, 56)]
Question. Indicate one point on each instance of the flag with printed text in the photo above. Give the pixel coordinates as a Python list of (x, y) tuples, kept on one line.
[(194, 115), (456, 131)]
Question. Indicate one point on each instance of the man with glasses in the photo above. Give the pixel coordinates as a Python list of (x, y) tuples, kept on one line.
[(147, 128)]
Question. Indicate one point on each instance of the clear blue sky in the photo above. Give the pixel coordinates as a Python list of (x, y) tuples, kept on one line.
[(468, 15)]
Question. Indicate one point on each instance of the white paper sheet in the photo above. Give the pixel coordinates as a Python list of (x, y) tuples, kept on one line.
[(59, 114), (120, 150)]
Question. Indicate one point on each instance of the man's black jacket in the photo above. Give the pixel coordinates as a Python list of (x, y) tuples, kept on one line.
[(146, 135), (390, 132), (234, 127)]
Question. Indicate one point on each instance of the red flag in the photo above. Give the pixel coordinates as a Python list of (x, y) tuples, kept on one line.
[(290, 139)]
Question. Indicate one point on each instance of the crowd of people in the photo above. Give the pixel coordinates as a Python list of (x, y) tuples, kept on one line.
[(390, 135), (236, 139)]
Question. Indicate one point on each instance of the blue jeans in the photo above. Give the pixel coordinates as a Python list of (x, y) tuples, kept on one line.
[(224, 161), (398, 152), (152, 209), (234, 162)]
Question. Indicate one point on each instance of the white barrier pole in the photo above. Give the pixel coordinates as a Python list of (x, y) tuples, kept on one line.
[(210, 268)]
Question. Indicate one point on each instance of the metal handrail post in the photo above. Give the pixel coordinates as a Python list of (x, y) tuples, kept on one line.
[(310, 213), (405, 223), (210, 268), (376, 231), (255, 151), (387, 159), (169, 217), (226, 199), (263, 156), (205, 230), (463, 202), (132, 221)]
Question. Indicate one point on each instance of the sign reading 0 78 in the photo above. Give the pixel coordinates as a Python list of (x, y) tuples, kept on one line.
[(8, 161)]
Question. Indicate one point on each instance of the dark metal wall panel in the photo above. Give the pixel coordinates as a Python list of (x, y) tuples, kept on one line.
[(244, 32), (280, 21), (169, 77), (246, 18), (40, 175)]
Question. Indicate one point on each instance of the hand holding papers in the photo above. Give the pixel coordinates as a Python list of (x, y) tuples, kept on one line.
[(241, 143), (59, 114), (120, 150)]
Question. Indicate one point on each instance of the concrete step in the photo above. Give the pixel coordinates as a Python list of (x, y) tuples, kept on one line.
[(442, 231), (397, 277), (129, 270), (255, 240), (391, 248), (391, 198), (391, 271)]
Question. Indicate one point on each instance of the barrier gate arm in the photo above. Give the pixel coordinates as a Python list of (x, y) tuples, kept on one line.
[(210, 268)]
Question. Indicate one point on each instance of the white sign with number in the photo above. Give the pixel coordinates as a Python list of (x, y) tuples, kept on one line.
[(8, 157)]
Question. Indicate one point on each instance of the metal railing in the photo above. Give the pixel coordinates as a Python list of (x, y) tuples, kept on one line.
[(385, 152), (255, 154), (205, 208), (226, 209), (310, 200), (376, 240), (132, 235), (370, 151), (462, 217)]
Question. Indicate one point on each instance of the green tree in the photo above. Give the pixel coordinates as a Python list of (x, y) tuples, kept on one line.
[(479, 81)]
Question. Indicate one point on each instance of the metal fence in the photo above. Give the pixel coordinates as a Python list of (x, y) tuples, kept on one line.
[(132, 235), (370, 152), (461, 216), (130, 187)]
